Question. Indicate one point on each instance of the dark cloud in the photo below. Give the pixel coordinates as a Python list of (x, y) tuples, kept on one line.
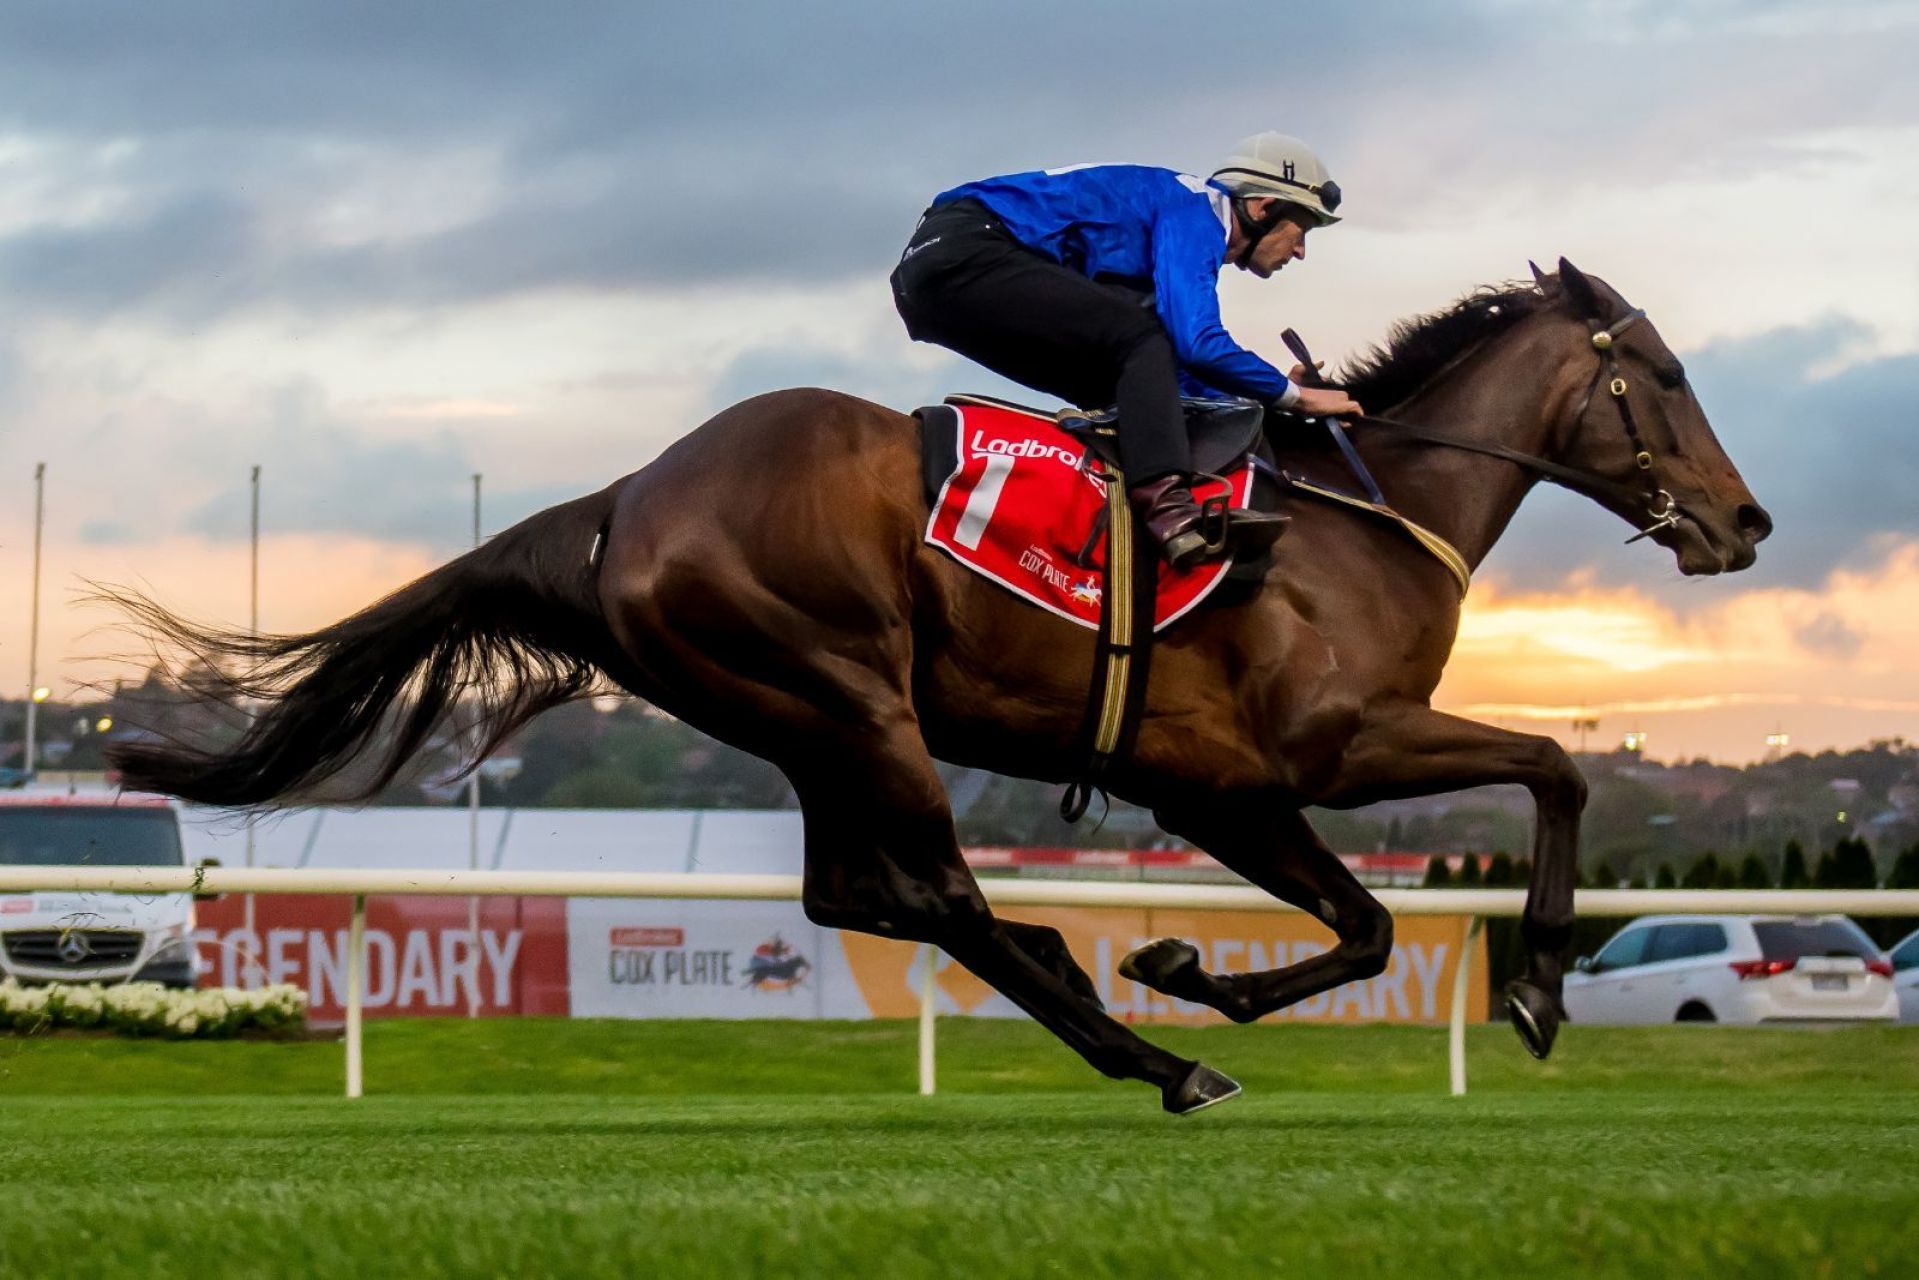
[(322, 473), (1829, 636), (110, 533), (185, 256), (189, 161), (569, 75), (508, 505), (620, 237), (1830, 457), (881, 380), (657, 146), (12, 374)]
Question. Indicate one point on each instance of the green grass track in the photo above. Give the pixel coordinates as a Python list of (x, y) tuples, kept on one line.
[(687, 1149)]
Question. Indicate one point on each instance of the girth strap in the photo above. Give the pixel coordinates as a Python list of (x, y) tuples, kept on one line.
[(1117, 697)]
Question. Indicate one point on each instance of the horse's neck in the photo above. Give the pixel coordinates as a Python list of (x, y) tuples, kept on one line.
[(1469, 498)]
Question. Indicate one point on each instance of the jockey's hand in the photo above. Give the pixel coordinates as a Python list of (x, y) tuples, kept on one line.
[(1326, 402), (1298, 374)]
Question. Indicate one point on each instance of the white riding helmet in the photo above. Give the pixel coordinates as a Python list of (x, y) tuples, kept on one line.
[(1280, 165)]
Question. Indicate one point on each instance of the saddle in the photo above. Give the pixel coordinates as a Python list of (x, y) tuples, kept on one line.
[(1224, 435), (1222, 432)]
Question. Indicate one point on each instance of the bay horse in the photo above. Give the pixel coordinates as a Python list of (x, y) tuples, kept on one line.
[(766, 580)]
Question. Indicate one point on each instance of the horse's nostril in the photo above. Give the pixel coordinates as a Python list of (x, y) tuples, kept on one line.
[(1754, 522)]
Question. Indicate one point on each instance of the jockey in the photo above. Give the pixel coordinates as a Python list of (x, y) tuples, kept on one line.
[(1098, 284)]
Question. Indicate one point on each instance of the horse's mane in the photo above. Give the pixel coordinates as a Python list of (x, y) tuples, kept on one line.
[(1418, 347)]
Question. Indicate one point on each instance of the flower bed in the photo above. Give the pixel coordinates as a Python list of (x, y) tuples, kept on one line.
[(149, 1009)]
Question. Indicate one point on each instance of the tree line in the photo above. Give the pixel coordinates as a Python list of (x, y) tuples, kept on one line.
[(1694, 823)]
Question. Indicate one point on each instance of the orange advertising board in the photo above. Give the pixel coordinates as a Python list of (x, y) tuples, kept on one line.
[(1416, 987)]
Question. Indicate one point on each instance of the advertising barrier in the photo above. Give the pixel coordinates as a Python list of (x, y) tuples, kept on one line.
[(1413, 989), (633, 958), (422, 958), (691, 958)]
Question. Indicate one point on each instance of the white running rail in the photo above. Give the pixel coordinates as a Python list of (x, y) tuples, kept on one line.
[(1471, 905)]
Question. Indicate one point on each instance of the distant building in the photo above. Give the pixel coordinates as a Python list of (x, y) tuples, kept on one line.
[(1904, 794)]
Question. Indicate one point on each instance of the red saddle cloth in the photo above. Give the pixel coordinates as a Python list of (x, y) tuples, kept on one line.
[(1020, 506)]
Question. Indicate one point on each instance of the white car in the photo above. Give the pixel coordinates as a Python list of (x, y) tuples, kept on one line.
[(1734, 969), (93, 937), (1905, 976)]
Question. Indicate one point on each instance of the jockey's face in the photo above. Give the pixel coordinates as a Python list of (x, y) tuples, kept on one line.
[(1277, 247)]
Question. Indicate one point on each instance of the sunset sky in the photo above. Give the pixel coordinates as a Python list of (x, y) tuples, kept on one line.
[(377, 248)]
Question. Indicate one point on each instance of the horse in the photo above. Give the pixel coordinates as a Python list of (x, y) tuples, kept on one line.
[(765, 579)]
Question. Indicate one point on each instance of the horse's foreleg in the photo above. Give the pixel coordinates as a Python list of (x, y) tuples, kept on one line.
[(1416, 751), (1278, 850), (1047, 946)]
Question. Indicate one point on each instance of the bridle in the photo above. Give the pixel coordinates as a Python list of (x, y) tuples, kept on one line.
[(1664, 510), (1660, 504)]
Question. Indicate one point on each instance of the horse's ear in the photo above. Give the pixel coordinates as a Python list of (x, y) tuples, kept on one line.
[(1585, 298), (1547, 285)]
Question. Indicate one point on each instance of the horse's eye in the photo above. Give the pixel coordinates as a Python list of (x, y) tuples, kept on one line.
[(1671, 376)]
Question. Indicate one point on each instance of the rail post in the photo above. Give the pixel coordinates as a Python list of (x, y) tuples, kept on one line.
[(929, 959), (1456, 1032), (355, 981)]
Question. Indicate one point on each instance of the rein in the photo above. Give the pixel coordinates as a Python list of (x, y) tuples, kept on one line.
[(1660, 505)]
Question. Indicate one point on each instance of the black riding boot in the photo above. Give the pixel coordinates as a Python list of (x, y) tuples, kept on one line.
[(1167, 509), (1189, 534)]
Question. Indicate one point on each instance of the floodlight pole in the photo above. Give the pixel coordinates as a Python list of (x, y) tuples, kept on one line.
[(33, 627), (473, 829)]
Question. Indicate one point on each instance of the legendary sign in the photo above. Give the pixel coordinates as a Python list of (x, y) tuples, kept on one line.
[(422, 958)]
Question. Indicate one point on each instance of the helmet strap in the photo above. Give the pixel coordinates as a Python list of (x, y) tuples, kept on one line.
[(1255, 229)]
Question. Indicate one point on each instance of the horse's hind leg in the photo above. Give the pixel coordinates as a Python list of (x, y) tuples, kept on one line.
[(881, 857), (1281, 853)]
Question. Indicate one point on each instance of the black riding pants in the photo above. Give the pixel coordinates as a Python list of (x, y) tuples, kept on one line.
[(967, 285)]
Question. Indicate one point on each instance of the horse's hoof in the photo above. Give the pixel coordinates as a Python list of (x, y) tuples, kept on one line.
[(1160, 963), (1535, 1016), (1201, 1088)]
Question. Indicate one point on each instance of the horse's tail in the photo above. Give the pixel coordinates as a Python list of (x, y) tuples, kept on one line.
[(499, 635)]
